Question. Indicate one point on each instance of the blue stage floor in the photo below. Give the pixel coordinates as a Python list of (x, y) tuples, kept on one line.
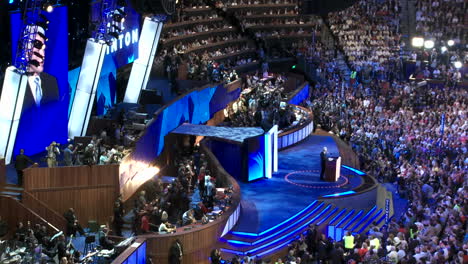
[(268, 202)]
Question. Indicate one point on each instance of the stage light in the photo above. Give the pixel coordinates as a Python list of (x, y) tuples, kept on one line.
[(451, 43), (48, 7), (443, 49), (118, 18), (417, 42), (428, 44), (457, 64)]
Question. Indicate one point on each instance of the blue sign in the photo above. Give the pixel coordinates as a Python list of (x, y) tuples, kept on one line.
[(123, 51)]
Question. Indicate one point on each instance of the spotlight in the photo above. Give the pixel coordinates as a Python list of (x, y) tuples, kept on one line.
[(118, 18), (457, 64), (428, 44), (451, 43), (48, 7), (417, 42), (443, 49)]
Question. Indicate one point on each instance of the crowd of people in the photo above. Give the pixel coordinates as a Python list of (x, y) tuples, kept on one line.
[(232, 3), (188, 199), (262, 104), (415, 137), (441, 19), (368, 34), (37, 244), (278, 21), (193, 29)]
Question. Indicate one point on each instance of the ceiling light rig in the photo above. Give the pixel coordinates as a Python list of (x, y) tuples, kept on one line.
[(112, 16), (34, 22)]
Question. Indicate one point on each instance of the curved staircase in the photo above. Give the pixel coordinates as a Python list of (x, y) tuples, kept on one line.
[(323, 214)]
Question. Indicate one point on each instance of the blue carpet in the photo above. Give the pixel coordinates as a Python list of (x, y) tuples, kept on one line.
[(275, 200)]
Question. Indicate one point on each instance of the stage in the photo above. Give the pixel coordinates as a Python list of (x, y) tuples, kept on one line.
[(276, 211), (268, 202)]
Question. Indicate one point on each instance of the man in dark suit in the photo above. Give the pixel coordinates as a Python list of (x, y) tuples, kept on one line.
[(41, 99), (21, 163), (42, 88), (72, 223), (176, 253), (323, 162)]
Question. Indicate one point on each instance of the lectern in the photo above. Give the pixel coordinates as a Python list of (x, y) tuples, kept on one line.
[(332, 169)]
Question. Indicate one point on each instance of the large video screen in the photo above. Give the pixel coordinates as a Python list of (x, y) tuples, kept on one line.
[(44, 117)]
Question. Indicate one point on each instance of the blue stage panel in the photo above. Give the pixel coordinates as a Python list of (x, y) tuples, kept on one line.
[(274, 209), (237, 134)]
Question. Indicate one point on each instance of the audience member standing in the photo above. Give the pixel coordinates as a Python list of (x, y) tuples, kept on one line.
[(21, 163)]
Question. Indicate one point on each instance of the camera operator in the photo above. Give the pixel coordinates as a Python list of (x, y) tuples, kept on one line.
[(52, 152), (89, 156)]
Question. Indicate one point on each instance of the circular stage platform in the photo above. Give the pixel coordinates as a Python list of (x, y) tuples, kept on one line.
[(308, 179)]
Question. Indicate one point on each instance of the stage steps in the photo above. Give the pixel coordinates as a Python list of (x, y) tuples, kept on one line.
[(318, 213), (11, 191)]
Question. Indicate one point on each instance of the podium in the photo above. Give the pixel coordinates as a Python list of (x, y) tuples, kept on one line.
[(332, 169)]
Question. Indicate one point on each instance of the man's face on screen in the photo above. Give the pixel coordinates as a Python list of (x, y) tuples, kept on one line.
[(38, 54)]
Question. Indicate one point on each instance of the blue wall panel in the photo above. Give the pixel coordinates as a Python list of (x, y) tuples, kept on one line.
[(197, 107)]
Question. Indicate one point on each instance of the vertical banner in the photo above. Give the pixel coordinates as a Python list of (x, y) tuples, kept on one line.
[(86, 88), (121, 52), (141, 69)]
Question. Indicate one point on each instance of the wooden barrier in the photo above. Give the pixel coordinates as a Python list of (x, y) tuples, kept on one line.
[(197, 242), (90, 190), (298, 133), (43, 209), (132, 253), (13, 212)]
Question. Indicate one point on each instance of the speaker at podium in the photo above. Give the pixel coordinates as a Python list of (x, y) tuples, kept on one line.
[(332, 169)]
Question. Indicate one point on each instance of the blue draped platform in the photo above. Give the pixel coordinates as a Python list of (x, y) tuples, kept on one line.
[(236, 134)]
